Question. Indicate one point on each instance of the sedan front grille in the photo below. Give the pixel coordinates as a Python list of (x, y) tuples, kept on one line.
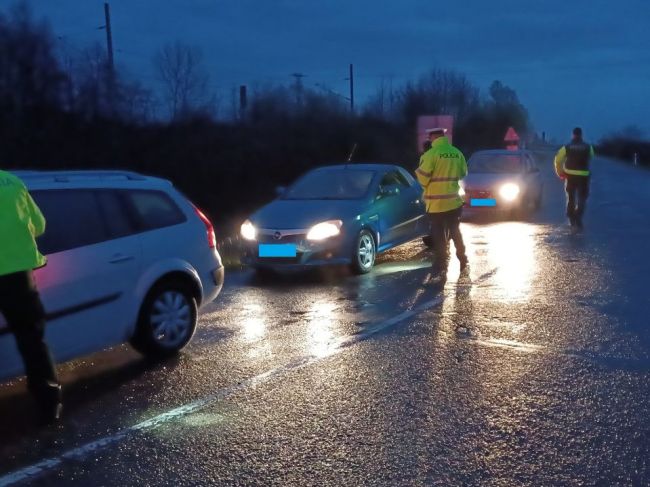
[(478, 193), (279, 260), (270, 239)]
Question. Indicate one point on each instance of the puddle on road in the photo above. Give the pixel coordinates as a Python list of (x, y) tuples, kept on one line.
[(511, 251)]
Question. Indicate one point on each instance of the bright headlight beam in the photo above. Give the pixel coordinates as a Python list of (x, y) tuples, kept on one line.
[(509, 191), (324, 230), (248, 231)]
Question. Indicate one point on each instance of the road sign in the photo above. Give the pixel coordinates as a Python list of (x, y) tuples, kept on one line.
[(511, 135), (511, 139)]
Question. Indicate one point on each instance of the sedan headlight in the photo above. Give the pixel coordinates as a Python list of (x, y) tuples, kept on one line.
[(248, 231), (509, 191), (324, 230), (461, 189)]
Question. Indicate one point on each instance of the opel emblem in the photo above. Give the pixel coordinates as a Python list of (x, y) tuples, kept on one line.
[(277, 235)]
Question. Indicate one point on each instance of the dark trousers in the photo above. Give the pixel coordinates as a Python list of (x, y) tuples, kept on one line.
[(577, 190), (445, 226), (21, 305)]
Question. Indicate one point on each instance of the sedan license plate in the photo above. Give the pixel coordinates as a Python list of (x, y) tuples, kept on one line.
[(277, 250), (482, 202)]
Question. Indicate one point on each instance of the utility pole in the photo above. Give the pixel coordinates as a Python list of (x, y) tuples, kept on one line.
[(109, 37), (110, 68), (243, 101), (352, 88), (298, 86)]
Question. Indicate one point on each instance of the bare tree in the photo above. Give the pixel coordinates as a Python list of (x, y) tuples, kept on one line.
[(184, 79), (380, 104), (89, 79), (29, 72), (440, 91), (631, 132)]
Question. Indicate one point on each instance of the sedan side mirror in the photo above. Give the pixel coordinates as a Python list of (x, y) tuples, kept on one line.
[(279, 190)]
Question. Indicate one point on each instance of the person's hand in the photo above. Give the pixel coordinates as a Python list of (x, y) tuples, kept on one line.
[(562, 176)]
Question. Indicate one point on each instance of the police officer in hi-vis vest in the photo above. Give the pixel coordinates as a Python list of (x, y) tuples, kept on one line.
[(572, 165), (21, 222), (441, 168)]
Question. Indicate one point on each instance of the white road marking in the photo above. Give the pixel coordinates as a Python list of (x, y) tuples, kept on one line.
[(76, 454), (79, 453), (510, 344)]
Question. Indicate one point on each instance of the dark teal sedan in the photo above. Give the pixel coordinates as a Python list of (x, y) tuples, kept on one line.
[(336, 215)]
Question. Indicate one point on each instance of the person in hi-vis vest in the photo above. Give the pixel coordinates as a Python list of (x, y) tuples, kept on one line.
[(441, 168), (572, 165), (21, 221)]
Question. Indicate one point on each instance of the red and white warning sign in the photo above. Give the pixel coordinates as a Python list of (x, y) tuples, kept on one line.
[(511, 135), (511, 139)]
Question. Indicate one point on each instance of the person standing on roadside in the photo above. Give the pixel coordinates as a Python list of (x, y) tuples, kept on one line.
[(21, 222), (441, 168), (572, 165)]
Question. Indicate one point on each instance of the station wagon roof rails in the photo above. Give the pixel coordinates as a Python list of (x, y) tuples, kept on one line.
[(67, 176)]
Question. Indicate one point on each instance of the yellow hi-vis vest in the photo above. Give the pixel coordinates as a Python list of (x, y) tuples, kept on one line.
[(561, 161), (20, 223), (441, 167)]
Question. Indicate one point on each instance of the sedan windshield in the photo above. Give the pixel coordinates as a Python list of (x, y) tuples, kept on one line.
[(495, 163), (344, 184)]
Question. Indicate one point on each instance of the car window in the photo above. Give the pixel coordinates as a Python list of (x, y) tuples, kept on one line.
[(531, 162), (153, 209), (115, 214), (73, 219), (482, 162), (409, 179), (343, 184), (394, 178)]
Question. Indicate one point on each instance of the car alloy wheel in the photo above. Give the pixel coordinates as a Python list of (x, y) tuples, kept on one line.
[(171, 319), (167, 319), (365, 252)]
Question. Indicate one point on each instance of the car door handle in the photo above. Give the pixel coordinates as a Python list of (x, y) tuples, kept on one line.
[(118, 258)]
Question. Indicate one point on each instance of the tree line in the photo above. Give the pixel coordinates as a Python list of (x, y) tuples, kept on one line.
[(61, 108), (628, 145)]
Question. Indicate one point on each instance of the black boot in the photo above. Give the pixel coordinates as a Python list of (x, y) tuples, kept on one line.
[(578, 223), (50, 402)]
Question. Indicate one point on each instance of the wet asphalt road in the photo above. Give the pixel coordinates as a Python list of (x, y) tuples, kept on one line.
[(533, 371)]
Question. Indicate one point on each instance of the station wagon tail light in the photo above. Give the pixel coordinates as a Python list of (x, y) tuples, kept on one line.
[(209, 228)]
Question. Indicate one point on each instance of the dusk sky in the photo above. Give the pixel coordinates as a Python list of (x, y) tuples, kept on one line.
[(571, 62)]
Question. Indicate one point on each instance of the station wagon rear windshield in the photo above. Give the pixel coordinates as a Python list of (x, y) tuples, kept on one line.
[(495, 163), (331, 185)]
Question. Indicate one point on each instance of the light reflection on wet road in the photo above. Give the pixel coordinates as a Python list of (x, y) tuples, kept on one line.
[(528, 371)]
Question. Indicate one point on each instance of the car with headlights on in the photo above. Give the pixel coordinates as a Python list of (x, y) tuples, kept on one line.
[(336, 215), (503, 180)]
